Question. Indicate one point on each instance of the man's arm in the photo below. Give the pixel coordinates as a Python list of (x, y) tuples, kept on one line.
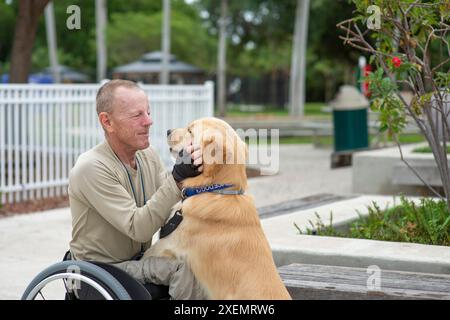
[(97, 186)]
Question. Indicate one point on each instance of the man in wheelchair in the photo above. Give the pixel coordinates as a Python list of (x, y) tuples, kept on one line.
[(120, 195)]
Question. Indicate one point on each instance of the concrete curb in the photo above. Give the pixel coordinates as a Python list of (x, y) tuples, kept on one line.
[(290, 247)]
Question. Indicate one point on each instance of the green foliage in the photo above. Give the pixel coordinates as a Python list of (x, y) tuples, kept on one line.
[(425, 223), (443, 81), (7, 23), (391, 110), (423, 17), (131, 34), (259, 37), (320, 228), (77, 48), (260, 40)]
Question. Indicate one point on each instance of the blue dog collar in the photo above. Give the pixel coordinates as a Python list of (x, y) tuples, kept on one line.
[(215, 188)]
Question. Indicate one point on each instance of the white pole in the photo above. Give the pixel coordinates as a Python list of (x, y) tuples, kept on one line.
[(23, 145), (221, 72), (2, 147), (51, 41), (165, 63), (9, 145), (31, 142), (45, 117), (100, 22), (298, 65), (16, 143), (39, 142)]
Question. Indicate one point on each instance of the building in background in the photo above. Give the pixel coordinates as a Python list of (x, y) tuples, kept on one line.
[(148, 69)]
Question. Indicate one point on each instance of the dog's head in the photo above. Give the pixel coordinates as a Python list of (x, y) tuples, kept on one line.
[(224, 152)]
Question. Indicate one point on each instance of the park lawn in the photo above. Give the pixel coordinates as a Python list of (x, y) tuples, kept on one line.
[(311, 109), (427, 150), (328, 140)]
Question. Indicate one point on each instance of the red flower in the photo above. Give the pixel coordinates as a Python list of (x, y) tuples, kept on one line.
[(396, 61)]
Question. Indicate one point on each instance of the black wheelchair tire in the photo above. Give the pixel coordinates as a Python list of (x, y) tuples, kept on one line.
[(99, 275)]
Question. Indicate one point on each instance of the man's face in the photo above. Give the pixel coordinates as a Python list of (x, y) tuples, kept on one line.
[(130, 119)]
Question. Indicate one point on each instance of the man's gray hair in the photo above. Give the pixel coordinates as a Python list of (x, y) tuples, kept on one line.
[(105, 95)]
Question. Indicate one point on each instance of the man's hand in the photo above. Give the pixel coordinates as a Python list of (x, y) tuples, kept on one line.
[(189, 163)]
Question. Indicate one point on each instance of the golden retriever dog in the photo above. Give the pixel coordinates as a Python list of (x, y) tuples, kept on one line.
[(220, 236)]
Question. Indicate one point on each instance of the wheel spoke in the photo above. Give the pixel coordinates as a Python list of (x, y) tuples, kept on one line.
[(40, 293)]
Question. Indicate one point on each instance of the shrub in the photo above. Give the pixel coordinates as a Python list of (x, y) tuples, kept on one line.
[(425, 223)]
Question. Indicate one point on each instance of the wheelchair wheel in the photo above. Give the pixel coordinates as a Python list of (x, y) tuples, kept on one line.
[(66, 279)]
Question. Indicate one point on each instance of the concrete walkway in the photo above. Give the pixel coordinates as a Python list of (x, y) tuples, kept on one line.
[(30, 243), (304, 171)]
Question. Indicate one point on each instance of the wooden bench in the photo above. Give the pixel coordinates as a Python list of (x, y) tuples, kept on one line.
[(318, 282)]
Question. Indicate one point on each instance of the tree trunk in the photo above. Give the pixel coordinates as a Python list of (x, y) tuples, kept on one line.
[(24, 36), (51, 42), (329, 87), (298, 65), (274, 88), (100, 23), (221, 74), (165, 75)]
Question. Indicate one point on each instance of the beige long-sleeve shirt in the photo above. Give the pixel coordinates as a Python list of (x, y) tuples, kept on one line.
[(107, 224)]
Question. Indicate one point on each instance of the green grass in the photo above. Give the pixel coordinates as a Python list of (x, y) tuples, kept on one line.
[(411, 138), (311, 109), (324, 140), (427, 150), (329, 140), (425, 223)]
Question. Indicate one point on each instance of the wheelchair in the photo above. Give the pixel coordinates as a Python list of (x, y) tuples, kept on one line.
[(90, 280)]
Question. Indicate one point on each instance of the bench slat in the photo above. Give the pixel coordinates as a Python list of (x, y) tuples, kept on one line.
[(334, 282)]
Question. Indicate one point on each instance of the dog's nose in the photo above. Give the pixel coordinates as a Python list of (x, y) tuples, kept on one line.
[(168, 132)]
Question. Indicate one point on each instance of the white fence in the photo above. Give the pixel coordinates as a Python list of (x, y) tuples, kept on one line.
[(44, 128)]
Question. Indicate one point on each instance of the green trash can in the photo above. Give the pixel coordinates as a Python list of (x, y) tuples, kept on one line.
[(350, 120)]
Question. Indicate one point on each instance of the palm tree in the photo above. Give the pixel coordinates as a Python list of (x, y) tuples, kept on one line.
[(100, 22), (165, 76), (298, 65), (221, 63), (51, 41)]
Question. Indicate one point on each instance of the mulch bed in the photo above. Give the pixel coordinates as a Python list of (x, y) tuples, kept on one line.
[(10, 209)]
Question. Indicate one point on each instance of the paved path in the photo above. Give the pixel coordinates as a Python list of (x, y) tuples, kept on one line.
[(29, 243), (304, 171)]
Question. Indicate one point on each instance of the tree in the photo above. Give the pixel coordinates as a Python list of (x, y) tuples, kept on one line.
[(131, 34), (24, 37), (51, 41), (165, 45), (298, 72), (400, 36), (221, 59), (100, 23)]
